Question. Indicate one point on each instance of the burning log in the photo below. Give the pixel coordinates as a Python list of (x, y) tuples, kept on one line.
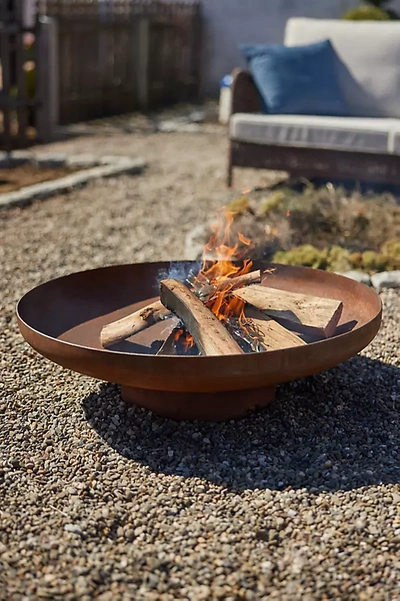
[(151, 314), (169, 345), (300, 311), (210, 335), (232, 283), (271, 335)]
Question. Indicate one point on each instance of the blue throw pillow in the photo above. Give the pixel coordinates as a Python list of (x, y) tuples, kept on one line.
[(299, 80)]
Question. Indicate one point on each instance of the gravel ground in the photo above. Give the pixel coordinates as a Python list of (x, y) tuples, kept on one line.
[(299, 501)]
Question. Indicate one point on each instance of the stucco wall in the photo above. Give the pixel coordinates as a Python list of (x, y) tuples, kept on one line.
[(228, 23)]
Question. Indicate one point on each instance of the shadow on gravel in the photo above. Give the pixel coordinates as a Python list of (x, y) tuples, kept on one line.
[(335, 431)]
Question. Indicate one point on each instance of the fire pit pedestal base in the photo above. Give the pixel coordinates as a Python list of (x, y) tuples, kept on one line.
[(218, 406)]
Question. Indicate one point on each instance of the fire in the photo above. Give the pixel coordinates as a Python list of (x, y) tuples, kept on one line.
[(226, 246), (184, 338), (224, 269)]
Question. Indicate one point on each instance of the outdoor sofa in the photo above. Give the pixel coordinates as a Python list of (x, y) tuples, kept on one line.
[(364, 146)]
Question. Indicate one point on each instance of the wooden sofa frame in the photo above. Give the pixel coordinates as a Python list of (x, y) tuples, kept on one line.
[(302, 162)]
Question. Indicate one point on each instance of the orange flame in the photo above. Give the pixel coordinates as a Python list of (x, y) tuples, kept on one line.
[(214, 277), (224, 244), (184, 338)]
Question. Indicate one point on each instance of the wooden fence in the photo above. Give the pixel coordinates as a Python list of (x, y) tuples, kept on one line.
[(17, 94), (116, 56), (28, 76)]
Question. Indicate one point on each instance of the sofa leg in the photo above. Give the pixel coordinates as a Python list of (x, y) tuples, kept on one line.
[(229, 175)]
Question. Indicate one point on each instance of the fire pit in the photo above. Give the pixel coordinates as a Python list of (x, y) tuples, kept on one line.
[(66, 319)]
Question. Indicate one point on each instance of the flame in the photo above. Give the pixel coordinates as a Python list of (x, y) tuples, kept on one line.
[(225, 245), (226, 249), (244, 240), (184, 338), (212, 282)]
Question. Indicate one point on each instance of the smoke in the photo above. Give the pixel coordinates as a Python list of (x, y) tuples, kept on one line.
[(180, 270)]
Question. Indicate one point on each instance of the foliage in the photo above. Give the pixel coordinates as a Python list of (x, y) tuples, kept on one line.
[(391, 249), (372, 10), (326, 228), (306, 255), (239, 206), (328, 216), (373, 261), (335, 259), (276, 200), (339, 259), (366, 13)]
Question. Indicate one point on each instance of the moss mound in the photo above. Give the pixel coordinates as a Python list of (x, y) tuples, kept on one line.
[(339, 259), (367, 13)]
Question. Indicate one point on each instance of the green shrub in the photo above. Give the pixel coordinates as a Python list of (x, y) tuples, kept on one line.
[(375, 10), (391, 249), (374, 261), (366, 13), (240, 206), (275, 201), (306, 255), (356, 260), (339, 259)]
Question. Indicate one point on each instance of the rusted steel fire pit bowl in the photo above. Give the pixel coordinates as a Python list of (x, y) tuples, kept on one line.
[(62, 319)]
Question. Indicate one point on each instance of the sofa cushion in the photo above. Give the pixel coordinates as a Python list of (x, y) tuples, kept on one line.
[(369, 74), (337, 133), (298, 80)]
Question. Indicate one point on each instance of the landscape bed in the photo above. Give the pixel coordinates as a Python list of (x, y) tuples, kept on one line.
[(325, 227), (37, 176)]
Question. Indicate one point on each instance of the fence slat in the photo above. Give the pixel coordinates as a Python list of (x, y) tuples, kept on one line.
[(48, 77), (22, 113), (5, 64)]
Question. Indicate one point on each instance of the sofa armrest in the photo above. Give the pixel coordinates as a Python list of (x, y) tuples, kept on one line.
[(245, 96)]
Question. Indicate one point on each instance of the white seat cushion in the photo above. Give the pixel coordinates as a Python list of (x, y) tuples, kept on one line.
[(368, 69), (338, 133)]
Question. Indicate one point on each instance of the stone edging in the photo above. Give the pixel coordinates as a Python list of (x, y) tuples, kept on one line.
[(385, 279), (92, 168)]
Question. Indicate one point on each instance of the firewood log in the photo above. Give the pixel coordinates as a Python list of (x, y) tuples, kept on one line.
[(300, 311), (133, 323), (169, 345), (271, 335), (210, 335)]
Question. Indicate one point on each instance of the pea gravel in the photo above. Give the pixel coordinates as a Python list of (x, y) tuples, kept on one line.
[(299, 501)]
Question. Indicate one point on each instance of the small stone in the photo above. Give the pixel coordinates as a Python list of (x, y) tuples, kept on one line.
[(386, 279), (73, 528), (358, 276), (262, 535), (130, 534)]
